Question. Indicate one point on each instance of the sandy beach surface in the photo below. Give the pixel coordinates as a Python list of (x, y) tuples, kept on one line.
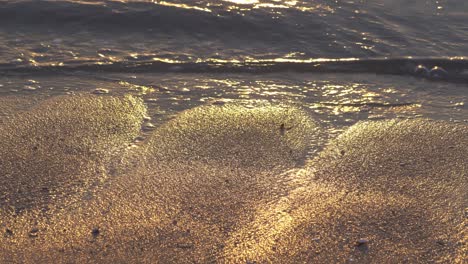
[(226, 183)]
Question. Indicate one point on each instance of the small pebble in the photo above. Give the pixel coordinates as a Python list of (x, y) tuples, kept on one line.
[(29, 88), (34, 232), (282, 129), (101, 91), (95, 232), (32, 82), (362, 242), (148, 126), (8, 233), (132, 146)]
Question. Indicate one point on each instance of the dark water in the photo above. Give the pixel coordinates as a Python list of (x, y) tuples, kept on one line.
[(339, 61), (191, 30)]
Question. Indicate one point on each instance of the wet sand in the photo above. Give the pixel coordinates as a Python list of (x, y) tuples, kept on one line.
[(58, 147), (11, 105), (227, 184), (388, 191)]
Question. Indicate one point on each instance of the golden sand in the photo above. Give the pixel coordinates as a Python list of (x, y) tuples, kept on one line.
[(59, 147), (10, 105), (264, 136), (224, 184), (388, 192)]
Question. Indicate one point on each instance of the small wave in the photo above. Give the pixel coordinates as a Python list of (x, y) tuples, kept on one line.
[(115, 15), (445, 69)]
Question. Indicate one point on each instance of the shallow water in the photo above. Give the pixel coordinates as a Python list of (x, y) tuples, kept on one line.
[(212, 170), (193, 52)]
